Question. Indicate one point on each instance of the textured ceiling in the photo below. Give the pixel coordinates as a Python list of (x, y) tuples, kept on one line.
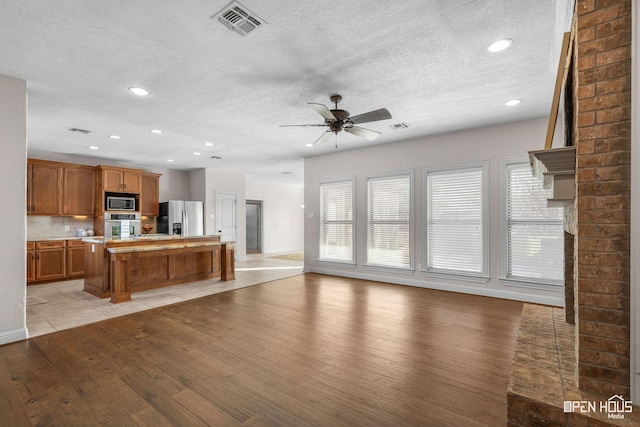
[(425, 61)]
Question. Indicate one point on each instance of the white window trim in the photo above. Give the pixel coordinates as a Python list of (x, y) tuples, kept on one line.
[(410, 173), (482, 277), (504, 237), (354, 220)]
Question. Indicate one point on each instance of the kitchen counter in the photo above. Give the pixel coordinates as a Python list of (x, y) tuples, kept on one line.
[(43, 239)]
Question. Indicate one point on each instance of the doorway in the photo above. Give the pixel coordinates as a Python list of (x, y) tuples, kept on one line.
[(254, 226)]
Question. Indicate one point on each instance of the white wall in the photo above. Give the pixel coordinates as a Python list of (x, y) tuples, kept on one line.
[(13, 164), (492, 144), (282, 215)]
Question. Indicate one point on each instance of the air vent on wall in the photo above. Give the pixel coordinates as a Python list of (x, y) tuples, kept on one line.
[(239, 19)]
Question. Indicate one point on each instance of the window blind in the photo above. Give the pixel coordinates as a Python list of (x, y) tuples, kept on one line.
[(336, 221), (455, 221), (535, 245), (389, 221)]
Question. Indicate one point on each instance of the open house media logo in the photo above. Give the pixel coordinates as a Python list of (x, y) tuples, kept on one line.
[(615, 407)]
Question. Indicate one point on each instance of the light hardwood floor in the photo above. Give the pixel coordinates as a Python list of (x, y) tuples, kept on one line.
[(305, 350)]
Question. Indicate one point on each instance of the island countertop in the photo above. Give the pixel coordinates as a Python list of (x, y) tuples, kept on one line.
[(147, 238)]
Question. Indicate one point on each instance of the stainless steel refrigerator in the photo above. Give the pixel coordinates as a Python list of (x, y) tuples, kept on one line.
[(181, 217)]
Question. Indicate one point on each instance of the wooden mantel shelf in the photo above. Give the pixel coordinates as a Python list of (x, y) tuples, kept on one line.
[(557, 167)]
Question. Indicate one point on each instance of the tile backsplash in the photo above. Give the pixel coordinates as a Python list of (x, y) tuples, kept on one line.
[(44, 227)]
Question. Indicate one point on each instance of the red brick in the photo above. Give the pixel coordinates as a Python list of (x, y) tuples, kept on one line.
[(609, 231), (602, 388), (604, 301), (586, 230), (585, 147), (606, 287), (611, 100), (603, 272), (620, 84), (586, 62), (613, 115), (613, 317), (613, 27), (586, 34), (603, 188), (600, 258), (613, 144), (600, 244), (604, 344), (604, 159), (597, 16), (587, 119), (585, 175), (613, 173), (613, 202), (612, 56), (585, 6), (604, 330), (605, 359), (586, 91), (606, 72)]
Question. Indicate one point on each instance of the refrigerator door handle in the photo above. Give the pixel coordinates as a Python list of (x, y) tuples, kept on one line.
[(185, 222)]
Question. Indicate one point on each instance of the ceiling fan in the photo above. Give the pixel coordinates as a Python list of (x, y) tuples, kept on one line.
[(339, 120)]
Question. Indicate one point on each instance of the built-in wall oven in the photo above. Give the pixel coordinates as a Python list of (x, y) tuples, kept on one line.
[(121, 225)]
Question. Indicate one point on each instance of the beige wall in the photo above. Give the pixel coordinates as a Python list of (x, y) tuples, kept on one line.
[(13, 163)]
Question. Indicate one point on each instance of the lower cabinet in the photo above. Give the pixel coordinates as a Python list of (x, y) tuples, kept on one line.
[(49, 260), (75, 258)]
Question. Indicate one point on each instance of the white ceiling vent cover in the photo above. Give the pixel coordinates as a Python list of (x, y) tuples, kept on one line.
[(239, 19)]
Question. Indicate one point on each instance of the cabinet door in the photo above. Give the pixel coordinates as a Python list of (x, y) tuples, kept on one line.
[(78, 191), (46, 189), (50, 264), (149, 196), (75, 258), (132, 182), (31, 265), (112, 180)]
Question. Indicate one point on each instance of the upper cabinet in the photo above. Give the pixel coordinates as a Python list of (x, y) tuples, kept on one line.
[(44, 188), (120, 180), (149, 197), (78, 190)]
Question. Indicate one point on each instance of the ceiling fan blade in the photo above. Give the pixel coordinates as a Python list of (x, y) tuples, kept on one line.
[(364, 133), (371, 116), (323, 110), (286, 126), (324, 137)]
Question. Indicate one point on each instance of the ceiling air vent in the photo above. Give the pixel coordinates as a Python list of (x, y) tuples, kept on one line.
[(397, 126), (239, 19), (83, 131)]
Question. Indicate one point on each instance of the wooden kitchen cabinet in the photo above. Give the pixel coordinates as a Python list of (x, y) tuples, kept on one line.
[(31, 261), (44, 188), (120, 180), (75, 258), (50, 260), (78, 190), (149, 197)]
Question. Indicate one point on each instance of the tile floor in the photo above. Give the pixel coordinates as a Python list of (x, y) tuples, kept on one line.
[(61, 305)]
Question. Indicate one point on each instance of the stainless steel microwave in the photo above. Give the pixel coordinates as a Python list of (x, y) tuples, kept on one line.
[(120, 203)]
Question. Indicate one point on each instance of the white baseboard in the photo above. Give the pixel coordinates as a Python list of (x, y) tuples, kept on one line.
[(13, 335), (473, 290)]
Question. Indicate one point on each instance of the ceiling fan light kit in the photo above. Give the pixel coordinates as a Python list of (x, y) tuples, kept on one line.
[(338, 120)]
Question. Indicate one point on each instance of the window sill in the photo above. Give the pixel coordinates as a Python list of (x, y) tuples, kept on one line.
[(521, 283), (456, 276), (398, 270)]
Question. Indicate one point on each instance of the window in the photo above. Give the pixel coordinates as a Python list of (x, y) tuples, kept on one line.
[(336, 222), (389, 219), (456, 218), (533, 245)]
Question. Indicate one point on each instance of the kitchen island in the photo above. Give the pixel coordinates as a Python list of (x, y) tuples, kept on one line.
[(115, 268)]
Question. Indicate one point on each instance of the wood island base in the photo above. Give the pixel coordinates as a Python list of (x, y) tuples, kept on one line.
[(119, 270)]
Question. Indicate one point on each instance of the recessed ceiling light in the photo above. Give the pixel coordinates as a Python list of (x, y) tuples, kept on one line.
[(308, 144), (196, 153), (169, 160), (499, 45), (513, 102), (114, 137), (155, 131), (139, 91), (209, 144), (93, 147)]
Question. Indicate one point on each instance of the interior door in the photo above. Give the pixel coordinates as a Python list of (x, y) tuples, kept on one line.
[(254, 226), (226, 215)]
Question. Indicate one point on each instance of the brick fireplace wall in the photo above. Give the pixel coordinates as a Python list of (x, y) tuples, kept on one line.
[(603, 175)]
